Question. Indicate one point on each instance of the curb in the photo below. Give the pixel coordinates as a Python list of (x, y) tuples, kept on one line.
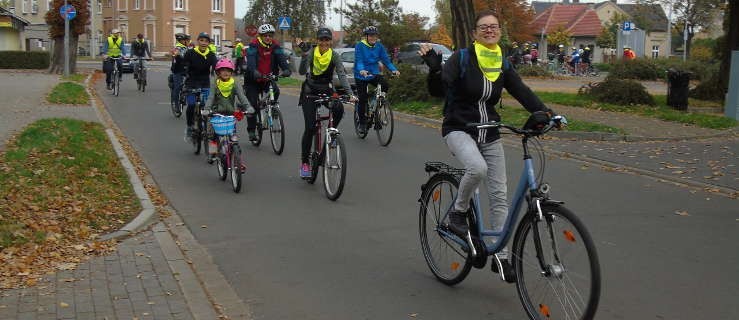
[(148, 212), (597, 136)]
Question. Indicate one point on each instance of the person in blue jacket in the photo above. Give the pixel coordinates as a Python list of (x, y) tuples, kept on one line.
[(367, 55)]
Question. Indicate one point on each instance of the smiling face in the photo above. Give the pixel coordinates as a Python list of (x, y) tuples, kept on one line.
[(324, 43), (267, 37), (487, 30), (372, 38), (203, 43)]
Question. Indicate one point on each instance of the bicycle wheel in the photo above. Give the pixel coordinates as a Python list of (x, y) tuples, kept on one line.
[(315, 162), (222, 166), (142, 78), (334, 167), (116, 84), (569, 285), (277, 131), (361, 135), (445, 257), (236, 168), (198, 135), (259, 128), (179, 106), (384, 124)]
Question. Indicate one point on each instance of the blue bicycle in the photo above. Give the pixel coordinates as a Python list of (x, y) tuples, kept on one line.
[(553, 260)]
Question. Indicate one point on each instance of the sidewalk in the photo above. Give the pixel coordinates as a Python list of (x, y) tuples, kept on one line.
[(146, 278)]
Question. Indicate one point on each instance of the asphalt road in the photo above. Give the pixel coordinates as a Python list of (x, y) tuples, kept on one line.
[(290, 253)]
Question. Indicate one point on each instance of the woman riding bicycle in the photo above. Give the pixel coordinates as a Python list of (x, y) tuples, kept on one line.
[(367, 55), (224, 92), (472, 81), (198, 61), (318, 65)]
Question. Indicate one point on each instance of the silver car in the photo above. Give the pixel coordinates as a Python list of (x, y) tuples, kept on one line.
[(347, 58)]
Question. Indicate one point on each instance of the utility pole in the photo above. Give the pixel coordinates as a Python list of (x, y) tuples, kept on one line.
[(341, 21), (669, 31), (93, 29), (66, 43)]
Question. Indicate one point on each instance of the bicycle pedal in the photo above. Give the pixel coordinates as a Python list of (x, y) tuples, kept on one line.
[(501, 262)]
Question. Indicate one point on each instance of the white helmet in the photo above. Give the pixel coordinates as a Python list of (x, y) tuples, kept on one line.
[(266, 28), (115, 31)]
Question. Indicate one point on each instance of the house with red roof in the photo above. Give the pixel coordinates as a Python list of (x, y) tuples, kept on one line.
[(580, 20)]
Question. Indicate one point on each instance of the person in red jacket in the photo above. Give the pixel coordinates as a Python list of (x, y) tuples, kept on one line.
[(628, 54)]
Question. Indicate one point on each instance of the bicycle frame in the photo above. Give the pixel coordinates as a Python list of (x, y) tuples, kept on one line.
[(527, 182)]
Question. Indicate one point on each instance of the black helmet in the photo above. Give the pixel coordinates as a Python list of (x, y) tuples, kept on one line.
[(204, 35), (370, 30), (181, 36), (324, 33)]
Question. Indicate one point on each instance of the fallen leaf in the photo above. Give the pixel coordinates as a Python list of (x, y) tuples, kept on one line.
[(413, 315), (63, 304), (682, 213), (204, 226)]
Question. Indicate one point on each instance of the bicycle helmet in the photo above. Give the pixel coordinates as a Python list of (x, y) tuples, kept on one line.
[(266, 28), (182, 36), (204, 35), (324, 33), (225, 63), (115, 30), (370, 30)]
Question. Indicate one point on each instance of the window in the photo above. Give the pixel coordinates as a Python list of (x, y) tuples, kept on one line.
[(655, 52), (217, 6), (217, 36), (24, 6), (100, 6), (122, 4), (49, 5), (137, 4), (179, 4), (34, 6)]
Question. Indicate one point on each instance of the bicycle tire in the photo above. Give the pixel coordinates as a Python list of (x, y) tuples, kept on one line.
[(198, 136), (116, 84), (334, 164), (559, 233), (433, 198), (142, 77), (259, 128), (236, 168), (356, 125), (277, 127), (384, 123)]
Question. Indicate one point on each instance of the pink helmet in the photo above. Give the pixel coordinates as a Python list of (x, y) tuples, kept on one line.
[(225, 63)]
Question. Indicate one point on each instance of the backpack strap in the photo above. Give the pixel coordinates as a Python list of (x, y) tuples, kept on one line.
[(464, 60)]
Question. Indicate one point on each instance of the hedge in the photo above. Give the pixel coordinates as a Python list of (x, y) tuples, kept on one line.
[(24, 59)]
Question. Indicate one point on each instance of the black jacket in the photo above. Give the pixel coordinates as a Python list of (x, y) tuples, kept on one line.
[(472, 98), (140, 49), (198, 68)]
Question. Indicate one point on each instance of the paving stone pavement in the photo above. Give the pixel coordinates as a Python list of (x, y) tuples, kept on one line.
[(135, 282)]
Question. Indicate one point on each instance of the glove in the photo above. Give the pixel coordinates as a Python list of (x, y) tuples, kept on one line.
[(285, 73), (238, 115), (538, 120), (433, 60)]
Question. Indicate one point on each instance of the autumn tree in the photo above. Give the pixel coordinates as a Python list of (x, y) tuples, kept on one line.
[(306, 16), (441, 35), (463, 15), (560, 35), (5, 3), (56, 32), (609, 32), (395, 27)]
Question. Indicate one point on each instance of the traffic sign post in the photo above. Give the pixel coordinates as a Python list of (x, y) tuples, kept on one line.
[(284, 23), (68, 12)]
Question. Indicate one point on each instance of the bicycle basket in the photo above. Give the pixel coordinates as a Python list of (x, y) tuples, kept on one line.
[(223, 125)]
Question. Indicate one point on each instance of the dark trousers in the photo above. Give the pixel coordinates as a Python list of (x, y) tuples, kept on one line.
[(252, 90), (239, 65), (362, 94), (108, 68), (309, 117)]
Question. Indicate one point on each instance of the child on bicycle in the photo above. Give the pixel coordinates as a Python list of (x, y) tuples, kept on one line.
[(223, 94)]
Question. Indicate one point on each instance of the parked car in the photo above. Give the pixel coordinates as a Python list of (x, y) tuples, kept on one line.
[(347, 58), (408, 53), (126, 65)]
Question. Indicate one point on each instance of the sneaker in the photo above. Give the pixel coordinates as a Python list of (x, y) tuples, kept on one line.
[(135, 76), (109, 86), (458, 223), (501, 264), (362, 128), (305, 171), (252, 135)]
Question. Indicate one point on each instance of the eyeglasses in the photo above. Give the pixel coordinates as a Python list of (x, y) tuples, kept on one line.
[(490, 27)]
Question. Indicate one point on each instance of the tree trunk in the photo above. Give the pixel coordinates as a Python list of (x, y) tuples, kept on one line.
[(462, 24), (57, 56), (732, 43)]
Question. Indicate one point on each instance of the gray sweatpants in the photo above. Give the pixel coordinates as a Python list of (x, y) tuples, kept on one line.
[(480, 160)]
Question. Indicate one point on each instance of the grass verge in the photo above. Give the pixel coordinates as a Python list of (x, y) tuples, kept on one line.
[(68, 93), (661, 111), (76, 77), (511, 115), (289, 81), (63, 187)]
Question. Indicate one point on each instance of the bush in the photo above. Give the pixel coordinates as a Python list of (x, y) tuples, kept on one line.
[(640, 69), (709, 89), (24, 59), (533, 71), (603, 67), (409, 86), (619, 91), (700, 70)]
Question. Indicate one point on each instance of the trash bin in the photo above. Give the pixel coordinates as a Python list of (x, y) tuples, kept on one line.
[(677, 89)]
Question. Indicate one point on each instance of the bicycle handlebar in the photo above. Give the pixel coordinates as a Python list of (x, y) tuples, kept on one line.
[(320, 98), (555, 122)]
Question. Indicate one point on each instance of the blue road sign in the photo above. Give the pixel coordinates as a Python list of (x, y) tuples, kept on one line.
[(68, 12), (628, 26), (284, 23)]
